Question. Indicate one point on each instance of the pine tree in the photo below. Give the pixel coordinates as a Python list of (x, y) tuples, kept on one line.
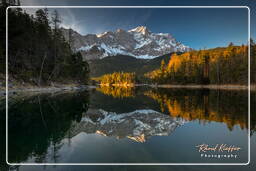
[(44, 56)]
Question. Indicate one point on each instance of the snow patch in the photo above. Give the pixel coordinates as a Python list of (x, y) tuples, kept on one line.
[(146, 57), (114, 50), (101, 34), (85, 48)]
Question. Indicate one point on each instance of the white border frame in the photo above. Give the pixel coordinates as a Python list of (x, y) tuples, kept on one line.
[(249, 80)]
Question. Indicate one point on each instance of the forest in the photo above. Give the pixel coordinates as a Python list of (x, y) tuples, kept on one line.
[(117, 79), (37, 51), (219, 66), (222, 65)]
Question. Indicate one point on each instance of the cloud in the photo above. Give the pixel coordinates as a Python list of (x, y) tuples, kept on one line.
[(86, 22), (69, 20)]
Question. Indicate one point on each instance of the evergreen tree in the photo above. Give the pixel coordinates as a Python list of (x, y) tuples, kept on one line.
[(45, 55)]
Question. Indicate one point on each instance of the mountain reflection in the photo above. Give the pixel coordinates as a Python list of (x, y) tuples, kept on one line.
[(138, 125)]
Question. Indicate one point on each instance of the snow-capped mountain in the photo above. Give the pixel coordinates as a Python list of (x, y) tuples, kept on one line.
[(138, 125), (138, 42)]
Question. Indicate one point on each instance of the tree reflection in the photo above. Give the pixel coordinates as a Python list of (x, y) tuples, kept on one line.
[(38, 125), (117, 91), (229, 107)]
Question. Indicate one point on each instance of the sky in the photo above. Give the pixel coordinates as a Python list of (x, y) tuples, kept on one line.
[(195, 27)]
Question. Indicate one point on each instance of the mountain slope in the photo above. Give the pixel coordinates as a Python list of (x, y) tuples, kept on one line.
[(124, 63), (138, 42)]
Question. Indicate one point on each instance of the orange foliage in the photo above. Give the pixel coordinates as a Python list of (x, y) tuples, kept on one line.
[(187, 110), (190, 65)]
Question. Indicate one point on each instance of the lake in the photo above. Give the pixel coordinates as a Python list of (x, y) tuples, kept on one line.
[(129, 125)]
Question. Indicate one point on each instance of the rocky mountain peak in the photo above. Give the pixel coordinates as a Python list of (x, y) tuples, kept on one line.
[(140, 29), (138, 42)]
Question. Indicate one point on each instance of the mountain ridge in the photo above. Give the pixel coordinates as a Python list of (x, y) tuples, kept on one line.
[(139, 42)]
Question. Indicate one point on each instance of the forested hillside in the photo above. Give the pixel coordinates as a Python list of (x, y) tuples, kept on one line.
[(228, 65), (124, 63), (37, 50)]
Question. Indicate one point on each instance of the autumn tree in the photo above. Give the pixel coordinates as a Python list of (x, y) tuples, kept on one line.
[(224, 65)]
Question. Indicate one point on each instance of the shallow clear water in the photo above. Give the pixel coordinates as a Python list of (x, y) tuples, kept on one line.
[(109, 125)]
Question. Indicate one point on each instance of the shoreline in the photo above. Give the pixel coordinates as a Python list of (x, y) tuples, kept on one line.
[(66, 87), (210, 86), (118, 85), (44, 89)]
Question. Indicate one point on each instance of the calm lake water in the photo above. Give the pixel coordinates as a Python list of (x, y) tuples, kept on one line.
[(117, 125)]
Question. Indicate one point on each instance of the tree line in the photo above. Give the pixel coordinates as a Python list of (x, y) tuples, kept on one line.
[(223, 65), (117, 79), (37, 50)]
